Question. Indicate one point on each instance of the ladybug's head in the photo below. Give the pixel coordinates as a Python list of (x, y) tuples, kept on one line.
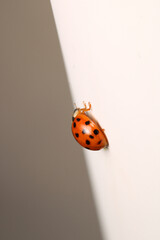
[(75, 113)]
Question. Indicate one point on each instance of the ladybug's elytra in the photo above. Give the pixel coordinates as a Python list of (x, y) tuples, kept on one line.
[(87, 131)]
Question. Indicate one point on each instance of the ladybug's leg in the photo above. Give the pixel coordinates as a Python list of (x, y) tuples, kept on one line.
[(85, 105), (85, 109), (89, 104)]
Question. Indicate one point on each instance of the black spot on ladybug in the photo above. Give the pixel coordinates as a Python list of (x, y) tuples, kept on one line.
[(96, 131), (77, 135), (74, 124), (87, 122), (87, 142), (83, 131), (78, 119), (87, 147), (99, 142), (91, 136), (72, 119)]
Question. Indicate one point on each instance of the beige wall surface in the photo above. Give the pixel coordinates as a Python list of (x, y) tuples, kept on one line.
[(45, 190)]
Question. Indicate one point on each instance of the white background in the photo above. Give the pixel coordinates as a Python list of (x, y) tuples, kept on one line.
[(112, 57)]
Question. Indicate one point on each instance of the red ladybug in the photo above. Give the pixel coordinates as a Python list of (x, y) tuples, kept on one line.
[(87, 131)]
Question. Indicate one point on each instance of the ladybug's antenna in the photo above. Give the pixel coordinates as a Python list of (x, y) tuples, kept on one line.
[(75, 106)]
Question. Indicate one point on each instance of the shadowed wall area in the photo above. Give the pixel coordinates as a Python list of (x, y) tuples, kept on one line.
[(44, 185)]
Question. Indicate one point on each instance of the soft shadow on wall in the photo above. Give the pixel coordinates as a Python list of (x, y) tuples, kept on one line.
[(45, 190)]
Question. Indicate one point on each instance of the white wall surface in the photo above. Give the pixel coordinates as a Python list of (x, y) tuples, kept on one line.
[(112, 56)]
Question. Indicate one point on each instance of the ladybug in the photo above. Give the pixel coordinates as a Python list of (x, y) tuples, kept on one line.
[(87, 131)]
